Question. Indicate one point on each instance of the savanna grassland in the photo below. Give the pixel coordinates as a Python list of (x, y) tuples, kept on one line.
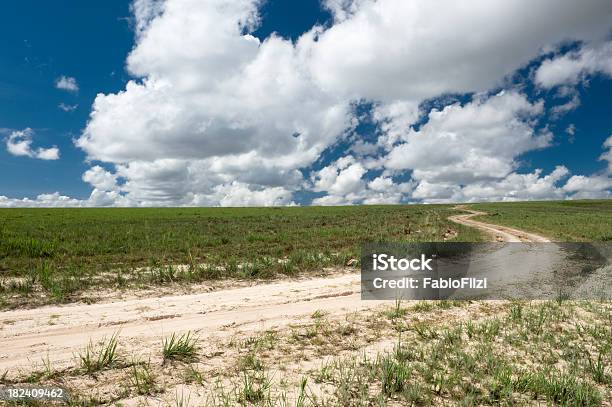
[(51, 255), (279, 341), (565, 221)]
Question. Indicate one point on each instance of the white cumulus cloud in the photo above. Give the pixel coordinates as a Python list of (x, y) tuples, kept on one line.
[(215, 116), (56, 200), (19, 143), (217, 110), (574, 66), (476, 141), (412, 50), (101, 179), (344, 184), (67, 83), (66, 107), (607, 155)]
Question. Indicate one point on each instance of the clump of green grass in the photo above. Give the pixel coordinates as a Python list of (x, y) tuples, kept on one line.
[(141, 378), (489, 329), (193, 375), (180, 347), (250, 362), (317, 314), (397, 311), (425, 331), (47, 372), (516, 312), (559, 388), (263, 341), (3, 377), (97, 357), (255, 387), (394, 375), (423, 306), (597, 367), (447, 304), (163, 274), (48, 369), (28, 246)]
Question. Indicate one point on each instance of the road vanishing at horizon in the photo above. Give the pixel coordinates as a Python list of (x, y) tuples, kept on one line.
[(497, 232)]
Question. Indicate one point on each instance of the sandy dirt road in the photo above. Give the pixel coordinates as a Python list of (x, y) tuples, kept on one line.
[(499, 233), (60, 332)]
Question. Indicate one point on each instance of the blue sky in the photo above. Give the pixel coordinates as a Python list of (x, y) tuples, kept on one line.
[(42, 41), (277, 103)]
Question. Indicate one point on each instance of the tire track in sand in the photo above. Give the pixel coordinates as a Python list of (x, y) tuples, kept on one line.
[(62, 331)]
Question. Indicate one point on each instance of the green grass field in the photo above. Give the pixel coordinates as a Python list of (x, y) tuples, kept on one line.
[(567, 221), (51, 255), (57, 253)]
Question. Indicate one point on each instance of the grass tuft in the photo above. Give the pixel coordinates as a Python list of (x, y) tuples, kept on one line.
[(179, 347), (142, 378), (97, 357), (255, 388)]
